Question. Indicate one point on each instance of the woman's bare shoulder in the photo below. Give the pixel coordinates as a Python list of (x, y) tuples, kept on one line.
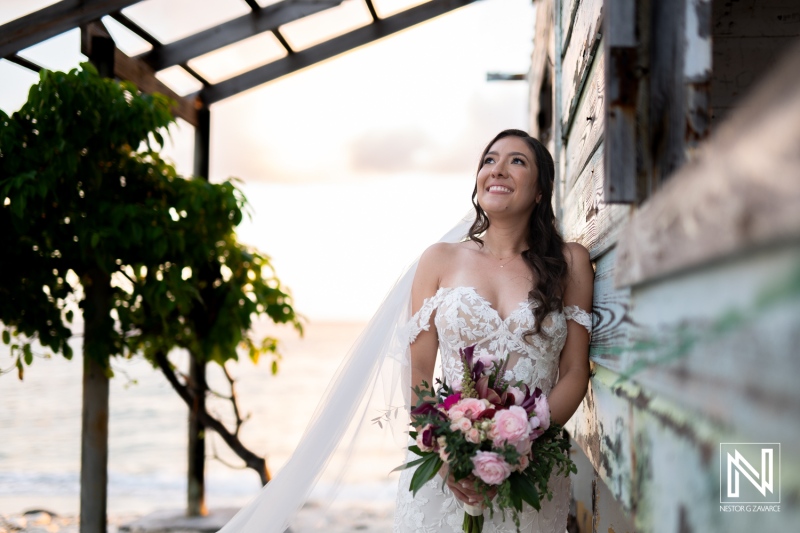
[(575, 253), (439, 258), (445, 251)]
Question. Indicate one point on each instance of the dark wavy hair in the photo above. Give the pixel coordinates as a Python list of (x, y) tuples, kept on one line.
[(545, 253)]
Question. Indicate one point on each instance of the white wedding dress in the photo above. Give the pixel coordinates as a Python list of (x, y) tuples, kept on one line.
[(464, 318)]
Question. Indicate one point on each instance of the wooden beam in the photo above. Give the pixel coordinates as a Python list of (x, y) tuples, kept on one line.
[(266, 19), (329, 49), (137, 71), (53, 20), (21, 61), (120, 17), (140, 73)]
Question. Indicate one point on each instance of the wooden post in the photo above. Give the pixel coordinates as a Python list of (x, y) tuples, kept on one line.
[(196, 490), (94, 415), (196, 504)]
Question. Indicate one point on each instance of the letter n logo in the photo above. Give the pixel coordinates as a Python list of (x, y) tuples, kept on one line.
[(748, 472)]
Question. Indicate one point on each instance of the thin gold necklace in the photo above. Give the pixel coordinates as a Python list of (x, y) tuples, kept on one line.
[(501, 258)]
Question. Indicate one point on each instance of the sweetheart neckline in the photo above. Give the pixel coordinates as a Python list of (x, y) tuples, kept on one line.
[(521, 305)]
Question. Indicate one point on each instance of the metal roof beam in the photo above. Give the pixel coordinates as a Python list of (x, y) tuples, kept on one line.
[(265, 19), (328, 49), (53, 20)]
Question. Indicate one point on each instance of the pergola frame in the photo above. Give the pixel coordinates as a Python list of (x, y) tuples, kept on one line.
[(68, 14)]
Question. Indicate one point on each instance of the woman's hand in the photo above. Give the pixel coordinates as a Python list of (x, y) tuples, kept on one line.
[(465, 489)]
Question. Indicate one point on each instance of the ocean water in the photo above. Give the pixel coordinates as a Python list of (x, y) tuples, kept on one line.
[(40, 429)]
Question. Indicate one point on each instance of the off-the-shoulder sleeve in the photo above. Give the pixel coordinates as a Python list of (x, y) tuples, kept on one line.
[(421, 321), (573, 312)]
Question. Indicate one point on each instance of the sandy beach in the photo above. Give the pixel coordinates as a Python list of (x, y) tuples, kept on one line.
[(369, 518)]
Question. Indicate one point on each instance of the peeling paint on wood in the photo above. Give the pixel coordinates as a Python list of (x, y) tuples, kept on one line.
[(579, 55)]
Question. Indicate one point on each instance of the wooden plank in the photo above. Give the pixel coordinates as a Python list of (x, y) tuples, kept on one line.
[(749, 37), (727, 353), (569, 10), (269, 18), (739, 64), (621, 55), (586, 217), (741, 192), (756, 18), (588, 128), (579, 56), (53, 20), (541, 111), (329, 49), (613, 325)]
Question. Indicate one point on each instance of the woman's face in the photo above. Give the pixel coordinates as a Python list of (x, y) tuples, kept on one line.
[(508, 179)]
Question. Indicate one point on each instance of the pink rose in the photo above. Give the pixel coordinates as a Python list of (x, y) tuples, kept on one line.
[(463, 425), (510, 425), (473, 436), (542, 410), (468, 407), (472, 407), (523, 463), (490, 467)]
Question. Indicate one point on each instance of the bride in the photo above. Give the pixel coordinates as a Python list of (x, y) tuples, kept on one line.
[(513, 287)]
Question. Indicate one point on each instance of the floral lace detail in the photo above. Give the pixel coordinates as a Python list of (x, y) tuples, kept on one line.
[(573, 312), (463, 318)]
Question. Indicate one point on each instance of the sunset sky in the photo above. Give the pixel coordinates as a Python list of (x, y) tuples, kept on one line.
[(352, 167)]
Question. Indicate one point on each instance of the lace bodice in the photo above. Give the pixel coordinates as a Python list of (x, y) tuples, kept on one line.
[(464, 317)]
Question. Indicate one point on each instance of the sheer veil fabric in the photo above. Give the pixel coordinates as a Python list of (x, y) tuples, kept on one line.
[(381, 354)]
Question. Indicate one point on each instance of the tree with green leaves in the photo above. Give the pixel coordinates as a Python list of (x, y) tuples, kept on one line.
[(91, 213)]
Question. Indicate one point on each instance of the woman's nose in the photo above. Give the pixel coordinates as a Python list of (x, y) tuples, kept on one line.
[(499, 169)]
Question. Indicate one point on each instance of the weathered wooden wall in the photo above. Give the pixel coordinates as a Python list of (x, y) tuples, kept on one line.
[(697, 290), (749, 37)]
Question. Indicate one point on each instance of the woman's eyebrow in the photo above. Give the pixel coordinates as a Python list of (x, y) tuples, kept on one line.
[(493, 152)]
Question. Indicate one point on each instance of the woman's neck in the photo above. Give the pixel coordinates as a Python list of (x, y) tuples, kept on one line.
[(506, 240)]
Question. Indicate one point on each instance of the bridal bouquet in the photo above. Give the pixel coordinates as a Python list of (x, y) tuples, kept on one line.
[(491, 431)]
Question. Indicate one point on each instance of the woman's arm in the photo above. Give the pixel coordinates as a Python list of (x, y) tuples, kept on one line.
[(423, 349), (425, 285), (573, 368)]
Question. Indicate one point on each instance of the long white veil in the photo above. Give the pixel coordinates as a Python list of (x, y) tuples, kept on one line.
[(380, 351)]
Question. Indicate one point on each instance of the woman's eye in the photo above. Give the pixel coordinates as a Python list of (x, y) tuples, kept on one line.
[(488, 160), (518, 161)]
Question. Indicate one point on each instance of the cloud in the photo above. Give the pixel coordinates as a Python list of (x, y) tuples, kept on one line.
[(392, 151)]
